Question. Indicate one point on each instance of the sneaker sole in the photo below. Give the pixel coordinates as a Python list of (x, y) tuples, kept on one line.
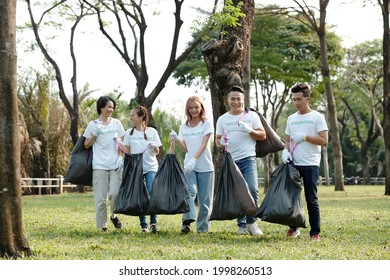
[(293, 236)]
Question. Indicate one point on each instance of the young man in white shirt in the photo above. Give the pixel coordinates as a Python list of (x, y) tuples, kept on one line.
[(306, 132), (242, 129)]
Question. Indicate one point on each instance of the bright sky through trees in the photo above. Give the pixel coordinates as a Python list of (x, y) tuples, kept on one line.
[(101, 66)]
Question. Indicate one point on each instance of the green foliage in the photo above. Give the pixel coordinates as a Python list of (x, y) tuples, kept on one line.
[(355, 226), (230, 15), (285, 50), (46, 120), (285, 47), (165, 123), (192, 71), (359, 93)]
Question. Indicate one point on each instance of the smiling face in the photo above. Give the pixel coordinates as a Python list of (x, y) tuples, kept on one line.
[(236, 102), (107, 110), (194, 109), (134, 118)]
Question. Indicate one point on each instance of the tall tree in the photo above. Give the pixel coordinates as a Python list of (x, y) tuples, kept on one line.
[(319, 26), (364, 77), (283, 51), (225, 58), (13, 243), (76, 14), (130, 22), (386, 88)]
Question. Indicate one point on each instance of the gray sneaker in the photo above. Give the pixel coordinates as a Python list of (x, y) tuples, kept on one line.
[(242, 231), (254, 229)]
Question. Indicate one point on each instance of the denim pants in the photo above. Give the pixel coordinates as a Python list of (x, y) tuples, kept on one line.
[(149, 177), (309, 175), (106, 185), (201, 183), (248, 168)]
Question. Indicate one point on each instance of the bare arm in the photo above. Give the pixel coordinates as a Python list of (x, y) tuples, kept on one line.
[(218, 140), (320, 139), (258, 134), (156, 151), (205, 141), (287, 144), (127, 148), (89, 141), (182, 145)]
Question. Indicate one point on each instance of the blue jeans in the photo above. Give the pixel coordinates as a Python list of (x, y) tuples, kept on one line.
[(309, 175), (149, 177), (203, 184), (248, 168)]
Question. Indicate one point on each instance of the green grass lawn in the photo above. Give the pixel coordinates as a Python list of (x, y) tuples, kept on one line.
[(355, 226)]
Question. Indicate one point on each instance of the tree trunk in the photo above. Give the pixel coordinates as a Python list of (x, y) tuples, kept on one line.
[(326, 166), (225, 60), (332, 111), (13, 244), (246, 78), (386, 90), (267, 160), (366, 163)]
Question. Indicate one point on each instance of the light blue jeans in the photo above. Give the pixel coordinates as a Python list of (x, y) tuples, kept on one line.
[(248, 168), (203, 184), (149, 177)]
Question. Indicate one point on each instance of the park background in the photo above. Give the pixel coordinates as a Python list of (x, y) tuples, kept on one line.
[(369, 229)]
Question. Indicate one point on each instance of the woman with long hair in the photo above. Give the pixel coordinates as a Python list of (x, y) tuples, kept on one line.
[(143, 139), (194, 138)]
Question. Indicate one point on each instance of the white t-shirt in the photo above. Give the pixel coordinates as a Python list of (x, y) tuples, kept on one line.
[(306, 153), (241, 144), (193, 137), (138, 144), (105, 148)]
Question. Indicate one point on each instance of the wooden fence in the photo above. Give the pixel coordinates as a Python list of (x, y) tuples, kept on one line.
[(39, 183)]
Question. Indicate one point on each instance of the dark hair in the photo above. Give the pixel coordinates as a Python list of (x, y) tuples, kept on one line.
[(142, 112), (102, 102), (302, 87), (236, 88)]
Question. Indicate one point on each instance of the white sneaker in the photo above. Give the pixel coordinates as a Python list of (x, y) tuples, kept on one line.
[(242, 230), (254, 229)]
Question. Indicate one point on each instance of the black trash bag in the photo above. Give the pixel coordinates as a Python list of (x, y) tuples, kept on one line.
[(273, 143), (80, 165), (169, 193), (232, 198), (133, 196), (282, 204)]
